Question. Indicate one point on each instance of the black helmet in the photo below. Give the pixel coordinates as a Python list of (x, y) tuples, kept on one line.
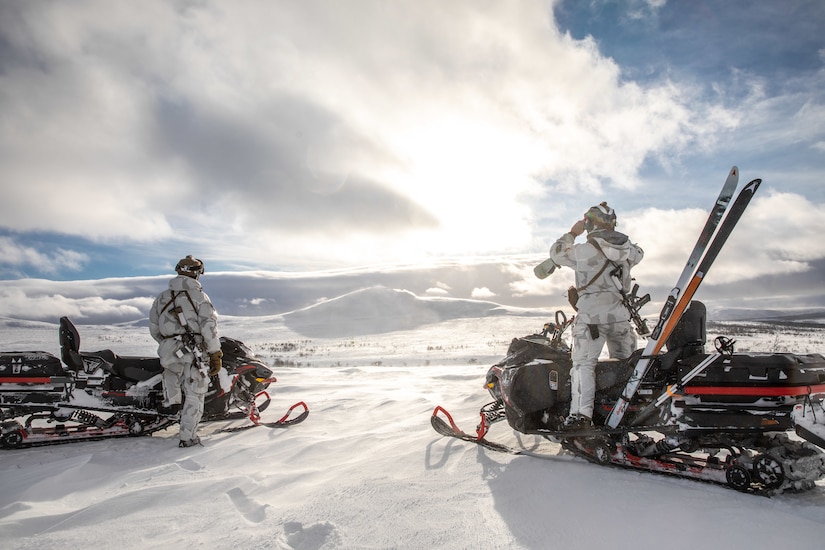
[(189, 266), (600, 216)]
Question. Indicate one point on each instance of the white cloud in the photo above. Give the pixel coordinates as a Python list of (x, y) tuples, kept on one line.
[(298, 132), (18, 304), (436, 291), (642, 9), (17, 256), (780, 233), (482, 293)]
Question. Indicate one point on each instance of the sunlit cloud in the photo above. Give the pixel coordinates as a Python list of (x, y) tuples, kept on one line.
[(482, 293), (438, 132)]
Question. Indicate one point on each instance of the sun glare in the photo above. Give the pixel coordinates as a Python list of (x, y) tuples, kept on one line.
[(473, 177)]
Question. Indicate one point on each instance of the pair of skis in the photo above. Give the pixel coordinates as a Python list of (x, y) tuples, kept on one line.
[(715, 233)]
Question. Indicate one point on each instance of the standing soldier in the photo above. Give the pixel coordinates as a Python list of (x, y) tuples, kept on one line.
[(185, 325), (601, 316)]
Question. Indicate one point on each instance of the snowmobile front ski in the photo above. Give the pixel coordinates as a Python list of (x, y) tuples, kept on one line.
[(285, 421), (450, 429), (680, 298)]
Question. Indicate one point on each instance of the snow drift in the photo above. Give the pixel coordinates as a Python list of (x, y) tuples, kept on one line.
[(366, 470)]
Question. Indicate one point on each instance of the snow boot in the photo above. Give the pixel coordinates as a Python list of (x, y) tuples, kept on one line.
[(577, 422), (191, 442), (172, 411)]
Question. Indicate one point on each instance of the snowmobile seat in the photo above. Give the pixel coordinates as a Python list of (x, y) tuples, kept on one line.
[(689, 336), (70, 345), (137, 369), (70, 351)]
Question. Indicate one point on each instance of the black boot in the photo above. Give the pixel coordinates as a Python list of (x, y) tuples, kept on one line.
[(191, 443), (171, 410), (577, 422)]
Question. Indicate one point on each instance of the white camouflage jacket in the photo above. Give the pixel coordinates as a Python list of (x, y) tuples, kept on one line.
[(198, 312), (601, 301)]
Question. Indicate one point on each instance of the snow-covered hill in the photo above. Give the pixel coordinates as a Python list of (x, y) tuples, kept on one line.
[(378, 310)]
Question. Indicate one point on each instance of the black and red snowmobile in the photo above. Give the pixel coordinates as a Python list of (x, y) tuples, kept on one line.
[(671, 407), (98, 395), (722, 417)]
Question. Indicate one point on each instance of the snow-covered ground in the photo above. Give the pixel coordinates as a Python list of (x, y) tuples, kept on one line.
[(366, 470)]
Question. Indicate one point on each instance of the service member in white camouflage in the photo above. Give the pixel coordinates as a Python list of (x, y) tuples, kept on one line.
[(185, 324), (601, 317)]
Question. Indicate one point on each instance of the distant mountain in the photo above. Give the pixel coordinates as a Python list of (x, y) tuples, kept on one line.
[(377, 310), (10, 323), (773, 315)]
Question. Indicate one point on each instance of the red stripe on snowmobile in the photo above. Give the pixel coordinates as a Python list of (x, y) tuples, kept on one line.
[(25, 380), (754, 391)]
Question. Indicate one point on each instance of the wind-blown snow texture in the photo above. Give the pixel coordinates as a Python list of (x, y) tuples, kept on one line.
[(366, 470)]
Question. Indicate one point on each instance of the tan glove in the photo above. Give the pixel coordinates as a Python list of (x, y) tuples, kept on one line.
[(577, 229), (215, 362)]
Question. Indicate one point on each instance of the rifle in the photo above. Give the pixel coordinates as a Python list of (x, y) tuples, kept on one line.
[(632, 302), (189, 340)]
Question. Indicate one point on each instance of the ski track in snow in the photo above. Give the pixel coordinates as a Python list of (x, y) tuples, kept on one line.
[(366, 470)]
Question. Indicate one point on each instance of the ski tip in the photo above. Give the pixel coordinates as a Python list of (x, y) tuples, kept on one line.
[(753, 184), (734, 171)]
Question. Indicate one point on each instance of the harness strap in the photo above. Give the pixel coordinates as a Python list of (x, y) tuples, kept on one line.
[(172, 301), (597, 275)]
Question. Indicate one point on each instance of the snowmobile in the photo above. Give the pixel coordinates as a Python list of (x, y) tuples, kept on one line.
[(719, 417), (97, 395), (722, 417)]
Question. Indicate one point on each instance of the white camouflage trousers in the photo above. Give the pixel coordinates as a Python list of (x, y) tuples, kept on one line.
[(185, 375), (621, 343)]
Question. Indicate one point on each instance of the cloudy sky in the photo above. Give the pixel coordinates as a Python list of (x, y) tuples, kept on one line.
[(314, 136)]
